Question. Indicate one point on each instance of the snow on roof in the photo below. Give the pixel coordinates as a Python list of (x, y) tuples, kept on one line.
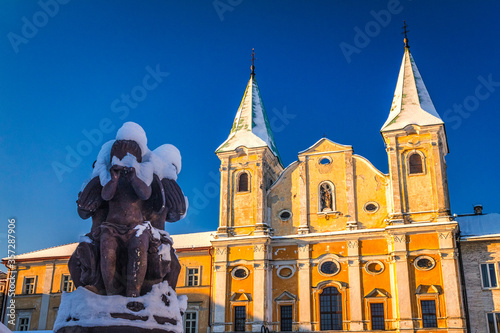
[(251, 127), (182, 241), (479, 225), (412, 103)]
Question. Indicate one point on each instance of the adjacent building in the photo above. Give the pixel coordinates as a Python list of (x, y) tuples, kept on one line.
[(326, 243)]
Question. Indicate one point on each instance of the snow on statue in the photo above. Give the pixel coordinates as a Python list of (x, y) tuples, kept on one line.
[(125, 268)]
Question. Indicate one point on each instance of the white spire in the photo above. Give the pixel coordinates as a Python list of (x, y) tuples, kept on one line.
[(412, 103), (251, 126)]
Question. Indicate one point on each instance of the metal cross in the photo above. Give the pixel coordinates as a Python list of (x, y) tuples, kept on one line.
[(405, 32)]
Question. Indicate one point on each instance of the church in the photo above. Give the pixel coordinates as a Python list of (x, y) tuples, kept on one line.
[(328, 243)]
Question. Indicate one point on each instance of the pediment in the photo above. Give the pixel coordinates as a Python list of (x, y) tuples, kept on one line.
[(241, 297), (377, 293), (325, 145), (429, 289), (286, 296)]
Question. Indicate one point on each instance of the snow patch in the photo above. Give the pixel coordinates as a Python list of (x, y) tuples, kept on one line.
[(134, 132), (84, 308), (164, 252), (144, 170), (167, 161), (103, 163)]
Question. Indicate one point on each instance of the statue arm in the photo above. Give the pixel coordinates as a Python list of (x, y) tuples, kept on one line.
[(142, 190), (109, 190)]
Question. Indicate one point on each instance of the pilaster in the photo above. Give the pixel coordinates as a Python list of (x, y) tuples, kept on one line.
[(47, 286), (303, 195), (355, 297), (220, 284), (304, 271)]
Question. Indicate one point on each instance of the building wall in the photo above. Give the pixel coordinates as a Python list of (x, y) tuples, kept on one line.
[(480, 300)]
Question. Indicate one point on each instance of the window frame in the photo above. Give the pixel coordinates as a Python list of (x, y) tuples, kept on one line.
[(436, 311), (422, 159), (383, 304), (35, 278), (489, 275), (23, 315), (496, 322), (280, 306), (185, 319), (196, 275), (238, 176), (70, 281), (340, 310), (245, 309)]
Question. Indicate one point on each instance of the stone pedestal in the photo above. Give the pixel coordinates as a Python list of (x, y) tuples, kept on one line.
[(159, 311)]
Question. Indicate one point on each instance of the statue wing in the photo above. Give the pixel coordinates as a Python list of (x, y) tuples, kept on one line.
[(90, 199), (174, 200), (156, 201)]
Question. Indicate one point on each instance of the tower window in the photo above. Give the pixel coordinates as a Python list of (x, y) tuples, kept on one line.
[(429, 318), (415, 164), (286, 318), (326, 197), (239, 318), (243, 185), (378, 318)]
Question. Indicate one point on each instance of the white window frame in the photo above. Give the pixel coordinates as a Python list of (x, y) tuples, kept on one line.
[(70, 282), (489, 276), (34, 277), (197, 275), (23, 315), (195, 319)]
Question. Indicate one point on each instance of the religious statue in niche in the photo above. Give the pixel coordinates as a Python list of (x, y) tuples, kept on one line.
[(132, 193), (326, 197)]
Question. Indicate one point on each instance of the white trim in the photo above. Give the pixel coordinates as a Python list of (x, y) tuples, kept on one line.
[(339, 267), (424, 268), (495, 264), (34, 284), (292, 268), (197, 275), (285, 211), (374, 262), (195, 319), (247, 271)]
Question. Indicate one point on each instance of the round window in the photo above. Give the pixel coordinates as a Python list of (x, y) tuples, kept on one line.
[(329, 267), (240, 273), (374, 267), (371, 207), (285, 215), (325, 161), (285, 272), (424, 263)]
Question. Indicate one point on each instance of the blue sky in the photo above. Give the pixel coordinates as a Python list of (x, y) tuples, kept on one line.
[(66, 69)]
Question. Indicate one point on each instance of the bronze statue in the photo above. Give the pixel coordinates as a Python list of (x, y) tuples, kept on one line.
[(127, 251)]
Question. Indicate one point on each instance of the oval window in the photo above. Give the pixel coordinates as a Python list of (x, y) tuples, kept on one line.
[(329, 267), (285, 272), (424, 263), (240, 273), (374, 267), (371, 207), (325, 161), (285, 215)]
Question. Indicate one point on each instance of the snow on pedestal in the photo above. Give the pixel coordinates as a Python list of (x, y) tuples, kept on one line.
[(161, 312)]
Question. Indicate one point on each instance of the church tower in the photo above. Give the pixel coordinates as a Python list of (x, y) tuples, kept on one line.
[(416, 145), (250, 163)]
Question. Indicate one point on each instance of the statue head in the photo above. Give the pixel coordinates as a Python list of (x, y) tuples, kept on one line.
[(121, 148)]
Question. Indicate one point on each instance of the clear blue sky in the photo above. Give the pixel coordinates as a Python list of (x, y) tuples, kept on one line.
[(65, 73)]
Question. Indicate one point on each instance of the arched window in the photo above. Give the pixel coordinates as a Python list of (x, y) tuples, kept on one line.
[(243, 182), (326, 197), (415, 163), (330, 309)]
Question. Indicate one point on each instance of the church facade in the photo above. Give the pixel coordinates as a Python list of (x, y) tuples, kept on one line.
[(327, 243)]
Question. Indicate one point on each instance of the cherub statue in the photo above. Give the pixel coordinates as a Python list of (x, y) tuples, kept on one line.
[(129, 198)]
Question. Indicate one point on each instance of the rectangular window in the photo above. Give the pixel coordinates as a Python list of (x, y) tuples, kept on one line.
[(429, 318), (29, 285), (488, 275), (494, 322), (377, 315), (190, 322), (239, 318), (193, 277), (286, 315), (23, 324), (66, 283)]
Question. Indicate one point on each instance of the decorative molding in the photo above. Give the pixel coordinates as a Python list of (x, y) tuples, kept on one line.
[(352, 244)]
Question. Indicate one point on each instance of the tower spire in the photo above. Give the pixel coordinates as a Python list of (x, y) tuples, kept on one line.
[(253, 63), (405, 32)]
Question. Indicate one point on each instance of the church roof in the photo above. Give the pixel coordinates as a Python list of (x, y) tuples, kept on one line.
[(412, 103), (251, 127), (181, 241)]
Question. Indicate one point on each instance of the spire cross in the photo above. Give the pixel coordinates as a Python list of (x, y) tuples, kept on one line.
[(405, 32), (253, 62)]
